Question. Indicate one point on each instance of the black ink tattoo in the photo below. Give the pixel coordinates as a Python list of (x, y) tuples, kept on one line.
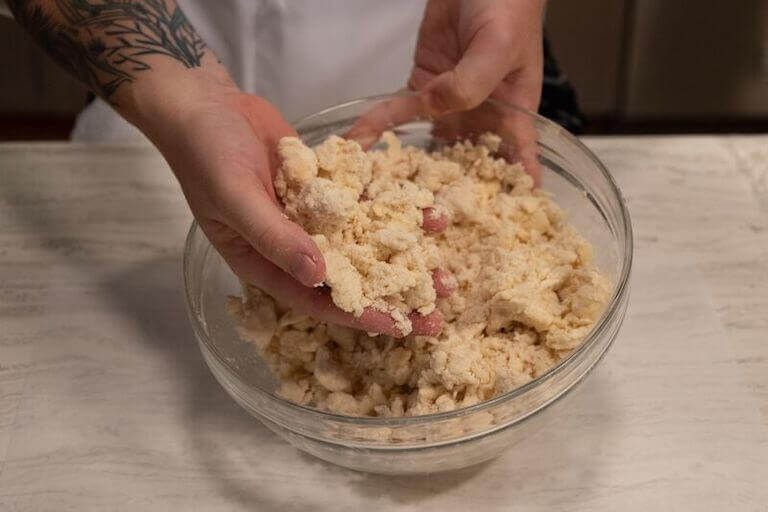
[(104, 43)]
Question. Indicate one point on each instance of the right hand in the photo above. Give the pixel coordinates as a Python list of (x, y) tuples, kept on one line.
[(222, 148), (469, 51)]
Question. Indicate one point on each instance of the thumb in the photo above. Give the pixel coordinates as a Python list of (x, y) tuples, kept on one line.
[(483, 66), (261, 223)]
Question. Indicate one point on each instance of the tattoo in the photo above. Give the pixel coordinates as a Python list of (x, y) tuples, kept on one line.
[(105, 43)]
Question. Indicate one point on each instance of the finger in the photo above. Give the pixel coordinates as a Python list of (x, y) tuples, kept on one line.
[(520, 129), (523, 90), (517, 131), (385, 115), (523, 87), (316, 302), (444, 283), (434, 220), (257, 218), (427, 325), (374, 321), (483, 66), (419, 78)]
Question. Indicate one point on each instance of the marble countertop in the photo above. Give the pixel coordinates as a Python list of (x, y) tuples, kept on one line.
[(106, 404)]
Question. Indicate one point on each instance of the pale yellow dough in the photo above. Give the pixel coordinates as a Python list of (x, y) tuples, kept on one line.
[(527, 290), (366, 219)]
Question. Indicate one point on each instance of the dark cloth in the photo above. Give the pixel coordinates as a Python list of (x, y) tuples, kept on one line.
[(558, 98)]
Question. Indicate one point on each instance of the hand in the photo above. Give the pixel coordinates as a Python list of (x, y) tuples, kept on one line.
[(222, 150), (470, 50)]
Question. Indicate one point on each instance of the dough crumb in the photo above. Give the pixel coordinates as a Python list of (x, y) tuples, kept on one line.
[(526, 291)]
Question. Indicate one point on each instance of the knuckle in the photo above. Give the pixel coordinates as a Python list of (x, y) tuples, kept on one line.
[(466, 96), (501, 36)]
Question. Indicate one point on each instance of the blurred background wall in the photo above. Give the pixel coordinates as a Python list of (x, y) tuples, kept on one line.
[(665, 65), (639, 66)]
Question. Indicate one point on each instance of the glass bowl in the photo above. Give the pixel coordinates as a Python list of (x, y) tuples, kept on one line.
[(579, 183)]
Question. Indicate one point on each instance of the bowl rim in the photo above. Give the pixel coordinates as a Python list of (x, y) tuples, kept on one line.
[(620, 290)]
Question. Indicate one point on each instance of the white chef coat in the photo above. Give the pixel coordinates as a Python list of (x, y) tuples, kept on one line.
[(302, 55)]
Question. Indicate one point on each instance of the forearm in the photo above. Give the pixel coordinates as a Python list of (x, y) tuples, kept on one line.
[(142, 56)]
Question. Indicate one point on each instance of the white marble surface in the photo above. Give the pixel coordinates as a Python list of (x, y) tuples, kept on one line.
[(105, 403)]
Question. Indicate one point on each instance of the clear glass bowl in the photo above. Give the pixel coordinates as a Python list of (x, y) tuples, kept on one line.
[(579, 183)]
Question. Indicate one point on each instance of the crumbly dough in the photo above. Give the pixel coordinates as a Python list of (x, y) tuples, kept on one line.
[(527, 292), (365, 217)]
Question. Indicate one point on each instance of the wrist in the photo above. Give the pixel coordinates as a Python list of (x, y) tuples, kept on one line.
[(164, 98)]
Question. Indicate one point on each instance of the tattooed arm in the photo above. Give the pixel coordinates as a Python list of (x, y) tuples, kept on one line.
[(125, 51), (147, 60), (110, 44)]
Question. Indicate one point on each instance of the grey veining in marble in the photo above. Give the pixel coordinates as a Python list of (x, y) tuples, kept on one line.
[(105, 403)]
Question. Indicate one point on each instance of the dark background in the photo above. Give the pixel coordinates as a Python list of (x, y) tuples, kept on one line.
[(639, 66)]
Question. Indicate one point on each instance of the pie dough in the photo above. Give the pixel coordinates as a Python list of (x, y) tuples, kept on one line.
[(527, 290)]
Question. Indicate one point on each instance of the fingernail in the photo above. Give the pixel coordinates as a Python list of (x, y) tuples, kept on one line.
[(304, 269)]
